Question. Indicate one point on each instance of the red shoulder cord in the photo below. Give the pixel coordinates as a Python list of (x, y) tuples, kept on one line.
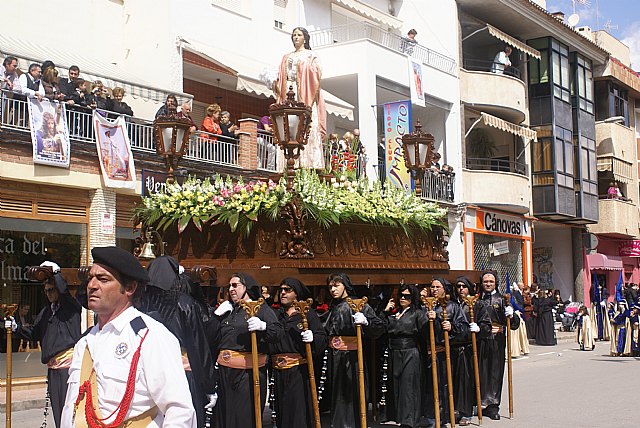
[(123, 408)]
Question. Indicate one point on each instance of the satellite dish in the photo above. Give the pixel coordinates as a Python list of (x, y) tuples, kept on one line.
[(573, 20), (590, 241)]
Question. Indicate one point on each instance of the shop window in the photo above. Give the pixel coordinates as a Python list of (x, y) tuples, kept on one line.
[(486, 259)]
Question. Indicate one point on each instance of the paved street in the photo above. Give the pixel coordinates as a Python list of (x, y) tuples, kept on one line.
[(555, 387)]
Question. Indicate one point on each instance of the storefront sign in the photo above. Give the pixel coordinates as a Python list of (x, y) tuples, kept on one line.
[(630, 248), (500, 248), (501, 223), (107, 224)]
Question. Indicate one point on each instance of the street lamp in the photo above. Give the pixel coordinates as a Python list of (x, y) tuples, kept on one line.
[(292, 122), (172, 140), (419, 152)]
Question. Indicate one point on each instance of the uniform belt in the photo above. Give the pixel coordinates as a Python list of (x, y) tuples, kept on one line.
[(495, 324), (62, 360), (344, 343), (287, 361), (239, 360), (185, 360), (402, 343)]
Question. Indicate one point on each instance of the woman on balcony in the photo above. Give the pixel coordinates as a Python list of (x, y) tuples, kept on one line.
[(301, 69)]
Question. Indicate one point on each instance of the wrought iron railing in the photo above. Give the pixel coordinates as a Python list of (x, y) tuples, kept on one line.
[(500, 165), (364, 30), (490, 67), (203, 147), (438, 187)]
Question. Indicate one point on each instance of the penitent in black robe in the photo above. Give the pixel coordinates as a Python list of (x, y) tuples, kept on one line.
[(235, 408), (491, 353), (406, 335), (343, 365), (462, 360), (294, 408), (545, 332)]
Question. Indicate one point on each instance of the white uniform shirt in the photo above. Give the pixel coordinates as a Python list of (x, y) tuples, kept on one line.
[(500, 62), (160, 378)]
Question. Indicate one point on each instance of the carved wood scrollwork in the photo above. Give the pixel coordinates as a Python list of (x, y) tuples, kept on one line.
[(295, 245)]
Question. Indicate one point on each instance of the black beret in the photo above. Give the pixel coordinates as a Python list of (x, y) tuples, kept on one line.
[(123, 262), (163, 272), (302, 292)]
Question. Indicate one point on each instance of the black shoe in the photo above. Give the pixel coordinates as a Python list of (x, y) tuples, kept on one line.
[(494, 416)]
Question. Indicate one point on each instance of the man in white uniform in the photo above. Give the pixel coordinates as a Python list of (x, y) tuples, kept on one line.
[(127, 370)]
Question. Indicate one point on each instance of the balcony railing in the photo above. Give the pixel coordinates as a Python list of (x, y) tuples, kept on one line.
[(203, 147), (497, 165), (438, 187), (490, 67), (364, 30), (268, 154)]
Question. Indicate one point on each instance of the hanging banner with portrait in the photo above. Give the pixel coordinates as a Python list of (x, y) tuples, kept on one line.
[(114, 152), (416, 82), (49, 132), (397, 122)]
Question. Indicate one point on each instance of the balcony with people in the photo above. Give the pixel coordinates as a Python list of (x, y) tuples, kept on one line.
[(496, 159)]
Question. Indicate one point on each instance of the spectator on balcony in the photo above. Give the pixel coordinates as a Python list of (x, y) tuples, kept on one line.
[(170, 106), (408, 43), (9, 74), (30, 84), (267, 152), (501, 61), (67, 85), (50, 82), (229, 129), (185, 113), (80, 97), (116, 104), (210, 123), (265, 124), (98, 98)]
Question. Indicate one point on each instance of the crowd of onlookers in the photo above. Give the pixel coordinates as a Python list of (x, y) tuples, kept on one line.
[(43, 81)]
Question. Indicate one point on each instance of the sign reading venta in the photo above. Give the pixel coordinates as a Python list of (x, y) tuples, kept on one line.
[(630, 248), (504, 224)]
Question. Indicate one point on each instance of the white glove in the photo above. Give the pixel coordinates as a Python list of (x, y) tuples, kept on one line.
[(474, 327), (603, 304), (256, 324), (9, 322), (508, 311), (54, 266), (307, 336), (224, 307), (518, 312), (180, 269), (359, 318), (213, 398)]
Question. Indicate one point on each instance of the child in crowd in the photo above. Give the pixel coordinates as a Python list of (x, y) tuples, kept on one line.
[(584, 333), (80, 97)]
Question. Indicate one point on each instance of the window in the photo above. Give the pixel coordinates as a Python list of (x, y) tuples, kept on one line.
[(542, 155), (588, 170), (612, 100), (583, 90), (560, 71), (279, 13)]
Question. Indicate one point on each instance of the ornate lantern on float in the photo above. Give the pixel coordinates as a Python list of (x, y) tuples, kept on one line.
[(292, 123), (171, 134), (419, 149)]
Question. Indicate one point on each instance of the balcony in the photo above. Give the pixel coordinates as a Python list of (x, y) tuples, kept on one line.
[(365, 31), (615, 139), (617, 218), (484, 178), (501, 95)]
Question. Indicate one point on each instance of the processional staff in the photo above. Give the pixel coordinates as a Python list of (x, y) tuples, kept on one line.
[(507, 301), (430, 303), (447, 352), (303, 308), (471, 301), (252, 309), (357, 305), (8, 311)]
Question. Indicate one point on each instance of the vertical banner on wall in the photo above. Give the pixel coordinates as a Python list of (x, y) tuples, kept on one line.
[(114, 152), (415, 82), (49, 133), (397, 122)]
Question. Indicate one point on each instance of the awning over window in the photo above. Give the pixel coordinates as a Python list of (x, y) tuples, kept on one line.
[(603, 262), (371, 12), (621, 169), (503, 125), (249, 71), (90, 68), (513, 42)]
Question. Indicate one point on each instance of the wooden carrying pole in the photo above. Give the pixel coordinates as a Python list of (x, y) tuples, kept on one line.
[(303, 308), (507, 302), (447, 352), (252, 309), (357, 305), (430, 303), (471, 301), (8, 311)]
